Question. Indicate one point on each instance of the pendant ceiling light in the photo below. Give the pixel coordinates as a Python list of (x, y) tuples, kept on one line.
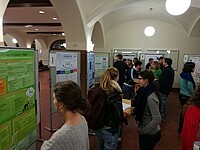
[(149, 30), (177, 7)]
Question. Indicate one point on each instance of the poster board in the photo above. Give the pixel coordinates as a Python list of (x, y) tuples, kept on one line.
[(126, 53), (102, 62), (173, 54), (17, 98), (64, 65), (144, 58), (196, 59), (90, 69)]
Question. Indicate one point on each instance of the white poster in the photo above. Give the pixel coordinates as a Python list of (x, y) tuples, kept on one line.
[(66, 66)]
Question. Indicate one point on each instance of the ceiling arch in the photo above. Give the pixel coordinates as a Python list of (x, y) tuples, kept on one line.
[(97, 36)]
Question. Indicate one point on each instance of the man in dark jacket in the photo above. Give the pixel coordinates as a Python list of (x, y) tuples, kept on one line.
[(165, 85), (122, 68)]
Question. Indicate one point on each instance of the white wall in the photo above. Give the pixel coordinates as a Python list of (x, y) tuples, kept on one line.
[(131, 35)]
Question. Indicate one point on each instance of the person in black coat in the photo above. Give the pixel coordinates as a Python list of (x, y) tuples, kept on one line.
[(122, 68), (165, 83)]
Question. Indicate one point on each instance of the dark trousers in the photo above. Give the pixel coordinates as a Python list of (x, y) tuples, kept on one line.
[(183, 100), (148, 142)]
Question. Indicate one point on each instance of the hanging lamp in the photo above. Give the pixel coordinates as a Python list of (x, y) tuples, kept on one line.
[(149, 30), (177, 7)]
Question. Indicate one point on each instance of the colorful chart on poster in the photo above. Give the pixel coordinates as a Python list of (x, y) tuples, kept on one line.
[(66, 66), (17, 97)]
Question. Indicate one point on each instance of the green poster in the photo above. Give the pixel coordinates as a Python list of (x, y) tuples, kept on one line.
[(23, 125), (17, 98), (5, 136), (5, 109)]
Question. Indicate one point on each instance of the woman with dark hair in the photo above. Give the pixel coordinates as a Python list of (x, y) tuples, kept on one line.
[(108, 135), (147, 114), (191, 120), (187, 87), (70, 102)]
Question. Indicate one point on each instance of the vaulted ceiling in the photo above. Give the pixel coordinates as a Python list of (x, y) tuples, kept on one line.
[(111, 12)]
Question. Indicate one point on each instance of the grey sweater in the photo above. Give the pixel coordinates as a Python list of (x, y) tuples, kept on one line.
[(151, 116), (69, 138)]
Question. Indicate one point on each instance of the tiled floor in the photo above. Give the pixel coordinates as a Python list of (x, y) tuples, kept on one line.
[(170, 139)]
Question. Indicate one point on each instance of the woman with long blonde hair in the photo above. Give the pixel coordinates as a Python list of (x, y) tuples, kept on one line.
[(108, 135)]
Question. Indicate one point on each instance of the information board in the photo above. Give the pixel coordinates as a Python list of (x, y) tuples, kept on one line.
[(90, 69), (102, 62), (196, 59), (17, 98), (66, 66)]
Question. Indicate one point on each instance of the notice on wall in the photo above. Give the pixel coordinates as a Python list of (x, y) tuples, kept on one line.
[(66, 66), (101, 63), (17, 96), (91, 66)]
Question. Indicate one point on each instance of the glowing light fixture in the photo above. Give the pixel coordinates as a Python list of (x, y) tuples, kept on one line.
[(41, 12), (14, 41), (149, 30), (177, 7)]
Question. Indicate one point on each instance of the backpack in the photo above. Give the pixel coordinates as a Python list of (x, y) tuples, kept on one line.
[(96, 117)]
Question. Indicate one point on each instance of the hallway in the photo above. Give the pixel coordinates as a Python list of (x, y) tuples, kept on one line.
[(170, 139)]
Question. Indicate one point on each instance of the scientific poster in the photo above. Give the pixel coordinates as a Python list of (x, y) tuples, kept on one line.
[(91, 66), (101, 63), (17, 96), (66, 66)]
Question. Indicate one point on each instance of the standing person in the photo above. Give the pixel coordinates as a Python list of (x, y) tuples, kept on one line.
[(187, 87), (149, 63), (108, 135), (146, 111), (136, 70), (191, 121), (128, 87), (165, 83), (161, 61), (70, 102), (122, 68), (155, 68)]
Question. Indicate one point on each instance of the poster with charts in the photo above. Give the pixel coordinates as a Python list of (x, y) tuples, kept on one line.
[(17, 97), (66, 66)]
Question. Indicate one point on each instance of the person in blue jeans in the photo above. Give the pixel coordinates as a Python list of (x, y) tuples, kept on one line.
[(166, 81), (107, 136)]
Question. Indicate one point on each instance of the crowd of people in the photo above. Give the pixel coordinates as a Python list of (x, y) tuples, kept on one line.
[(147, 89)]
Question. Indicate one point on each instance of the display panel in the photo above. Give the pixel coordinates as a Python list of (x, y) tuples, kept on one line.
[(17, 97)]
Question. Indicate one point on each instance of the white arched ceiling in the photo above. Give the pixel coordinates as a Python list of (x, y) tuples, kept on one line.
[(71, 21), (115, 13), (8, 39), (97, 36)]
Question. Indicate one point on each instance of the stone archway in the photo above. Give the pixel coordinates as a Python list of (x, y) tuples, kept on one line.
[(43, 52), (8, 39), (98, 37), (72, 23)]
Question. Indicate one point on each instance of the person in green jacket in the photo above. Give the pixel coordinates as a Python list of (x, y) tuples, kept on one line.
[(155, 68)]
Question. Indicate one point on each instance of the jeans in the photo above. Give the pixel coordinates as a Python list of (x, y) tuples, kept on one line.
[(163, 98), (107, 138), (148, 142)]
